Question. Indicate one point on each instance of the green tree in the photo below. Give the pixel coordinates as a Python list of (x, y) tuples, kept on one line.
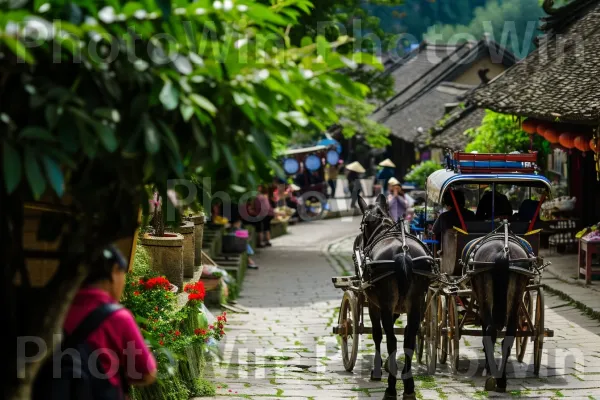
[(501, 133), (192, 89), (512, 23)]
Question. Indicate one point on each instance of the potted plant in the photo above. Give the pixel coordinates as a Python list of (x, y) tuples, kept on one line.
[(187, 230), (165, 249)]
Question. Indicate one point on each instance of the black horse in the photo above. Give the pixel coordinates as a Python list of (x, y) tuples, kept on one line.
[(506, 265), (402, 291)]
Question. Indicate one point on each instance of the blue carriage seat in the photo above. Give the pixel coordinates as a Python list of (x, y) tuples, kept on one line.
[(471, 245)]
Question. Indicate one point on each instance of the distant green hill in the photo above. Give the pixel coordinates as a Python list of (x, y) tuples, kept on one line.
[(515, 19)]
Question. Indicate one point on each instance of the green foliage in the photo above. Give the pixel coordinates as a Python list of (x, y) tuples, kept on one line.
[(500, 133), (418, 173), (232, 82), (512, 23), (203, 388), (355, 118), (141, 263)]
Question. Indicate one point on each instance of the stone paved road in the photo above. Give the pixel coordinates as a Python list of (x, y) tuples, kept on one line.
[(284, 347)]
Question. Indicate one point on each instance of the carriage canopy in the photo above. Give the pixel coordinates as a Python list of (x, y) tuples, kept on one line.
[(486, 169)]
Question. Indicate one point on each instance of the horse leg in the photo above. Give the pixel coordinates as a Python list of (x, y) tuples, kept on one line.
[(507, 344), (410, 341), (375, 316), (387, 360), (387, 318), (489, 341)]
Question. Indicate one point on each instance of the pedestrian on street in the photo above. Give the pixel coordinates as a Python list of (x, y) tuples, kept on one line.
[(396, 200), (387, 171), (331, 175), (264, 209), (96, 325), (354, 170)]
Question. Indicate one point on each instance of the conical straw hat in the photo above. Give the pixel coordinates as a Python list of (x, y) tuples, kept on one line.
[(295, 187), (387, 163), (356, 167), (394, 182)]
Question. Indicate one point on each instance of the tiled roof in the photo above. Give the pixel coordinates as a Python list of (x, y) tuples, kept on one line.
[(560, 79), (420, 73), (452, 133), (417, 117)]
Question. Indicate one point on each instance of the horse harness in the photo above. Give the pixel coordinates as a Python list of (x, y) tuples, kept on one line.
[(376, 270), (472, 267)]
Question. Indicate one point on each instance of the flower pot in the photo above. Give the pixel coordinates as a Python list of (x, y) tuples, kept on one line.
[(189, 247), (198, 221), (166, 255)]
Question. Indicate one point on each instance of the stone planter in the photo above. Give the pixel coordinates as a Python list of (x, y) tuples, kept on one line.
[(198, 221), (166, 255), (189, 247)]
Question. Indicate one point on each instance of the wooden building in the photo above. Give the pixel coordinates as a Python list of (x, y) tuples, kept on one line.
[(559, 84), (429, 81)]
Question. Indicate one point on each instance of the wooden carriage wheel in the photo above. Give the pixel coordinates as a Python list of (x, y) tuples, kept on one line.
[(431, 332), (453, 333), (421, 338), (538, 341), (525, 310), (443, 329), (348, 323)]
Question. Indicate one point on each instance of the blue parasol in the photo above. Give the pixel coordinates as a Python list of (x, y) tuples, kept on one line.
[(329, 142)]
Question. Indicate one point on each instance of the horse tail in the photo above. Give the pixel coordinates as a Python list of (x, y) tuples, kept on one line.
[(404, 267), (500, 276)]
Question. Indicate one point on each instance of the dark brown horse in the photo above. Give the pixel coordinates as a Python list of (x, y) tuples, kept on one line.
[(506, 265), (401, 290)]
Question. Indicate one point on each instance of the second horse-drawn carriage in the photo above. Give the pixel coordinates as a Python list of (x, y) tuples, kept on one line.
[(484, 273)]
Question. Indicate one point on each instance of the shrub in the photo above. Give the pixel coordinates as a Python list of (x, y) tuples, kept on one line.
[(419, 173)]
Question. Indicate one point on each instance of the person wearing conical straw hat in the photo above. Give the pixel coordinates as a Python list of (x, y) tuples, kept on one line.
[(354, 169), (386, 172), (396, 199)]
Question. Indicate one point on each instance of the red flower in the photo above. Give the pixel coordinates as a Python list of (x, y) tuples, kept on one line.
[(211, 327), (177, 333), (136, 293), (222, 332), (195, 290), (158, 283), (202, 332), (161, 343)]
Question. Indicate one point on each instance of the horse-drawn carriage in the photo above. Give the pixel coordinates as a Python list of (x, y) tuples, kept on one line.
[(485, 277), (456, 309)]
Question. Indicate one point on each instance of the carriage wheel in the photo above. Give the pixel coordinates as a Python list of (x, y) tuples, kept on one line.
[(453, 333), (348, 324), (431, 332), (420, 345), (538, 341), (443, 329), (521, 341)]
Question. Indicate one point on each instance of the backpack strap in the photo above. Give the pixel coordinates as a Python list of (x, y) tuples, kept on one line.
[(90, 323)]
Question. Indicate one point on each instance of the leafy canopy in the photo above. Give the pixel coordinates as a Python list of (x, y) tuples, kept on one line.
[(117, 94), (418, 173)]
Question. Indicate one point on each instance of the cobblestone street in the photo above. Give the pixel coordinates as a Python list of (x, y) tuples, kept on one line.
[(284, 347)]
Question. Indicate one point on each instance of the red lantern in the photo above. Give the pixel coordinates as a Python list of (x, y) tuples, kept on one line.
[(541, 128), (594, 146), (529, 126), (566, 140), (582, 144), (551, 135)]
